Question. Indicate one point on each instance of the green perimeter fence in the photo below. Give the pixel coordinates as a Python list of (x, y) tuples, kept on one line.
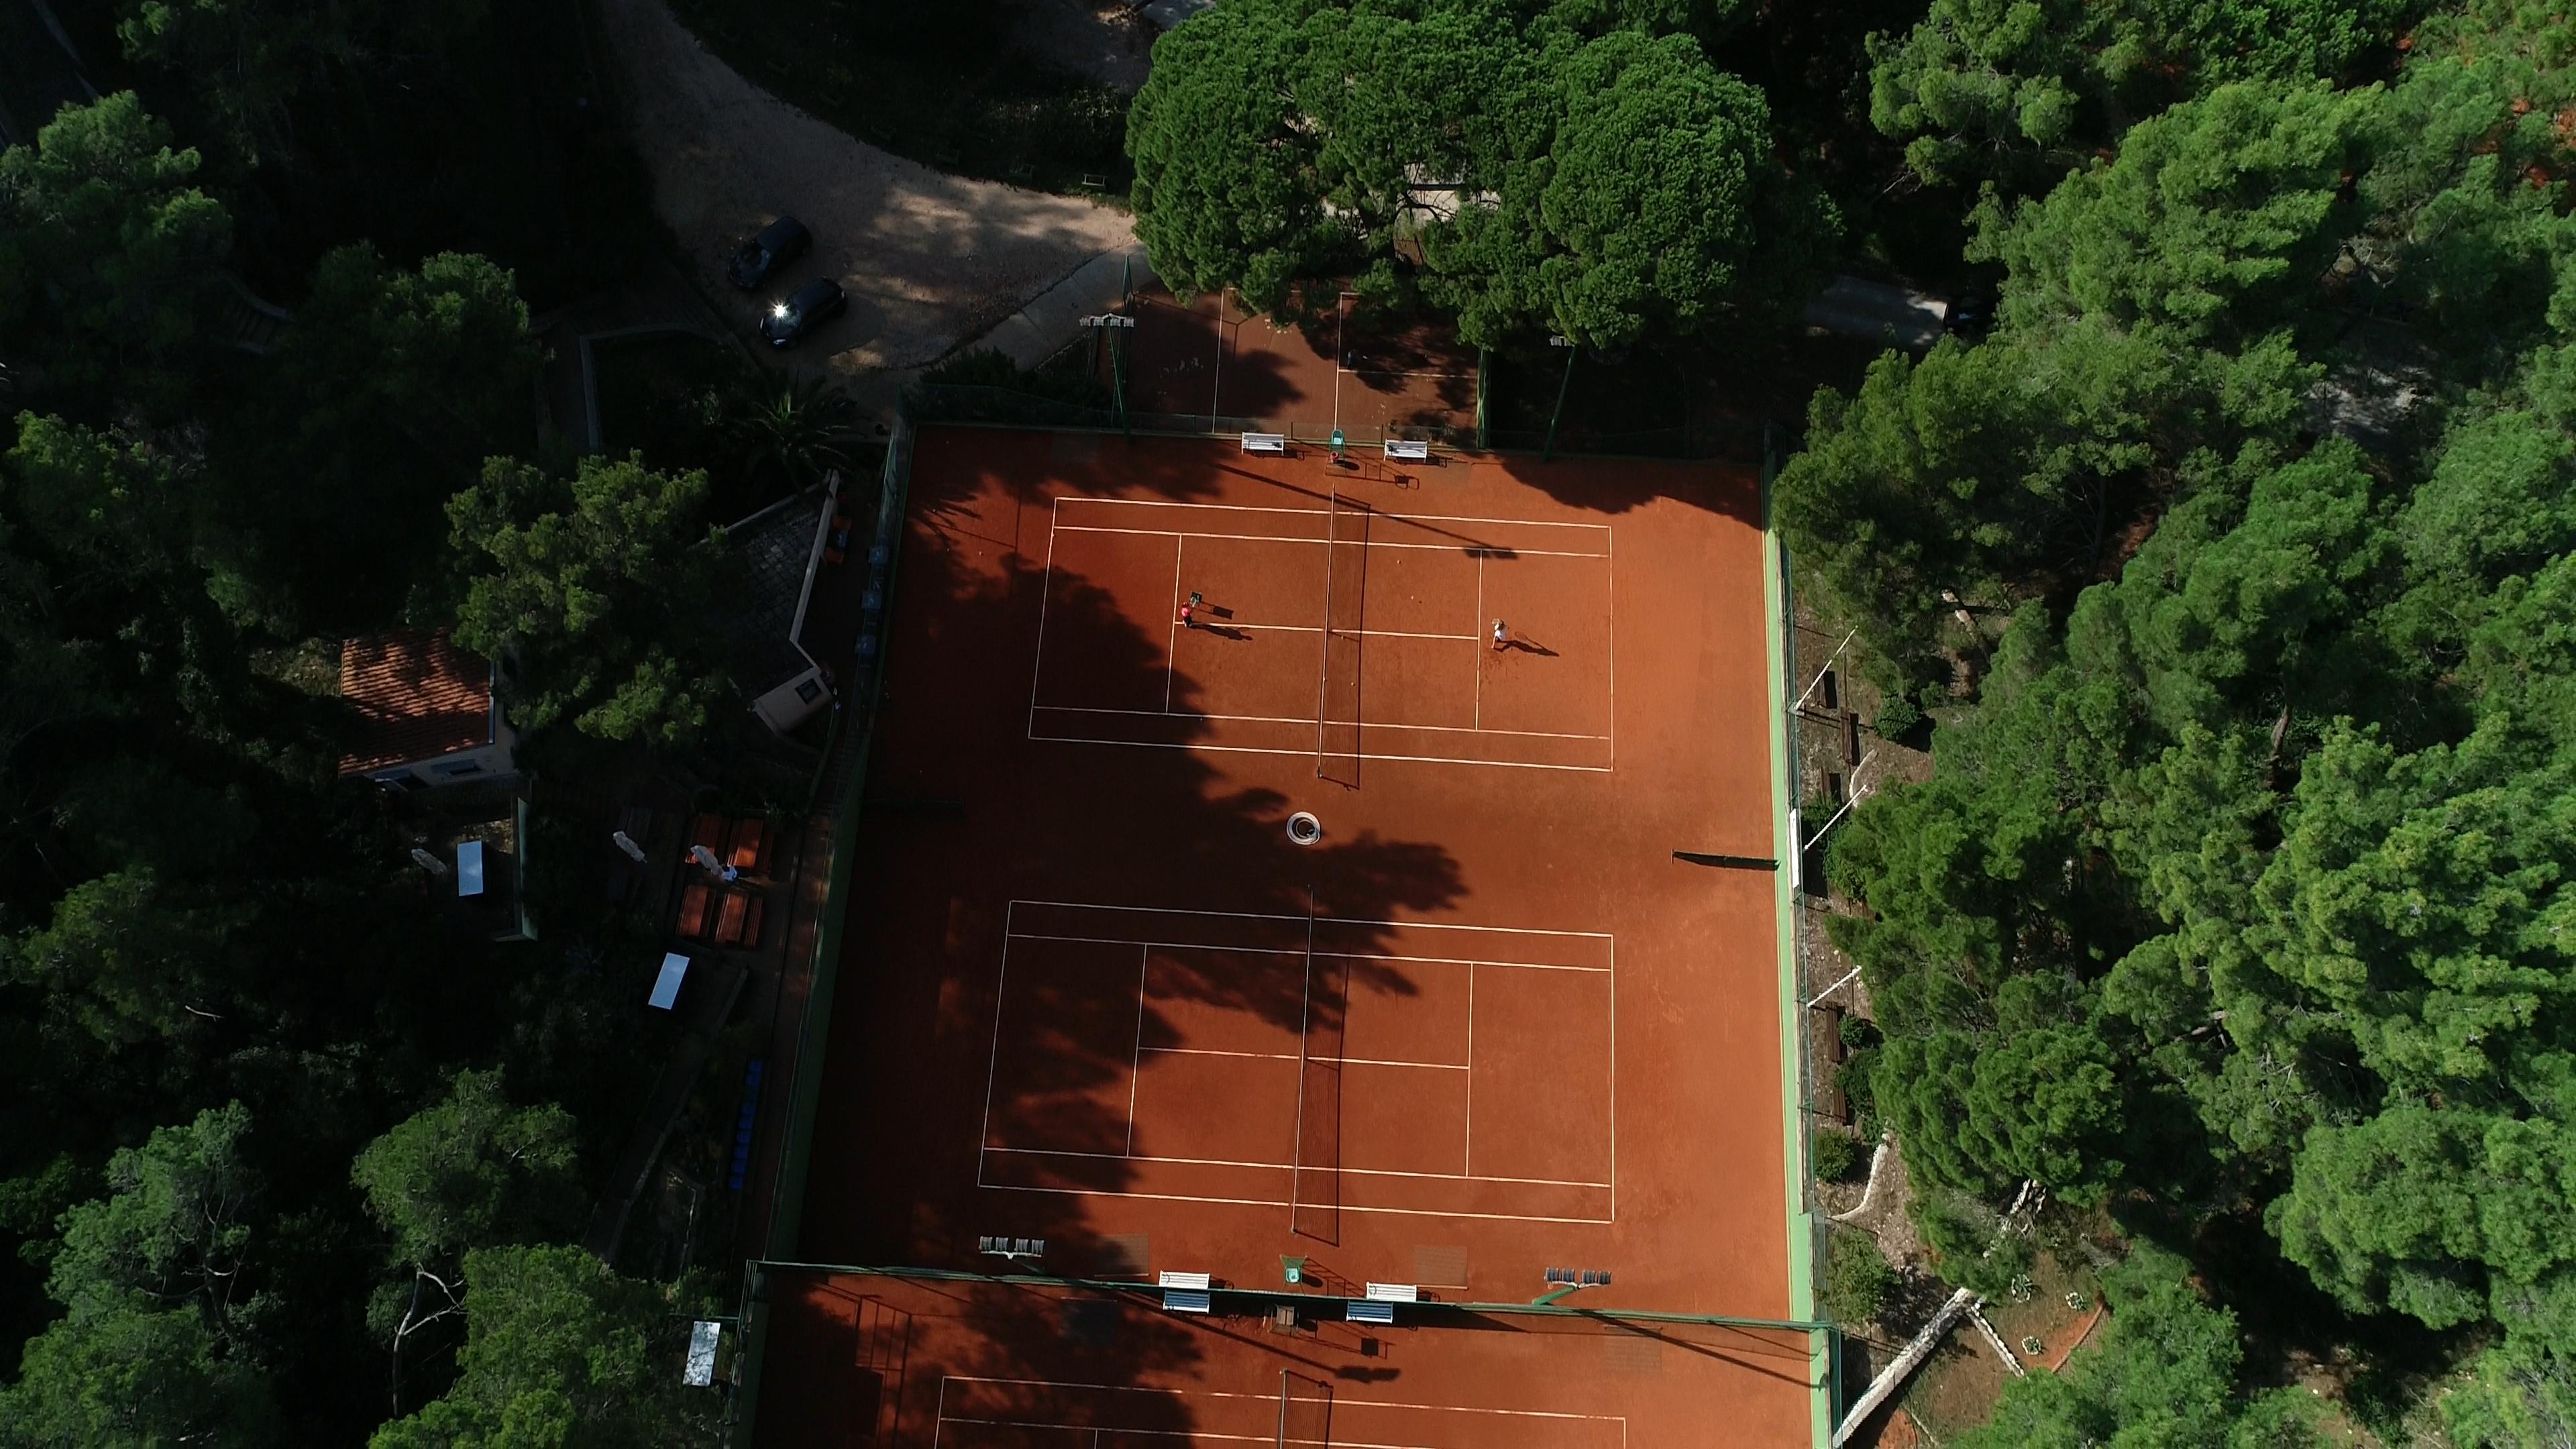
[(1006, 408), (867, 687), (1729, 439)]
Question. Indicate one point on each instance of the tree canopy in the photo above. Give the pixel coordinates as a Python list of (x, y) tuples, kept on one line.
[(561, 1352), (2016, 89), (1567, 172), (2239, 880), (599, 593)]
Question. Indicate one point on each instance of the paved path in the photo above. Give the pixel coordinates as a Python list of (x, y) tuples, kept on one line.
[(930, 261)]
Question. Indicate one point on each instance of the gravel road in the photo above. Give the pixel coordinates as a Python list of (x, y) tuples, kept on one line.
[(930, 261)]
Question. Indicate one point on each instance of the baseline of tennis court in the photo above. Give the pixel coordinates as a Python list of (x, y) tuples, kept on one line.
[(1359, 1066), (1342, 632), (1341, 363), (904, 1363), (1010, 1413)]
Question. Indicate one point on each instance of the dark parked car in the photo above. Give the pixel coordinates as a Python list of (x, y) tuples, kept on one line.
[(1971, 313), (781, 242), (805, 309)]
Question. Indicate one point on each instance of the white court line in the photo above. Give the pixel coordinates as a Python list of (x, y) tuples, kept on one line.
[(1282, 1166), (1136, 1057), (1610, 646), (1292, 1056), (1280, 1202), (1269, 1398), (1046, 586), (1317, 512), (1367, 724), (1293, 951), (1474, 548), (1478, 621), (1345, 633), (1319, 920), (1171, 635), (1101, 1433), (1614, 1081), (1364, 754), (993, 1064), (1467, 1159)]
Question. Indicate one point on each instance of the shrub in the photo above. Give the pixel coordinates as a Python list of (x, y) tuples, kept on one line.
[(1836, 1157), (1897, 718), (1853, 1076), (1857, 1279), (1858, 1032)]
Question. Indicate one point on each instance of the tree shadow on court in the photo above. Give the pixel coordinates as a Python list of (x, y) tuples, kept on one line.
[(968, 819), (871, 1359)]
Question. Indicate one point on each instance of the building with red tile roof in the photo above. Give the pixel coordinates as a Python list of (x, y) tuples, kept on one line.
[(426, 709)]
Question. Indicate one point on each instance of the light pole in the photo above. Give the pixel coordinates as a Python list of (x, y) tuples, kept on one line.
[(1562, 1281), (1548, 453), (1114, 324)]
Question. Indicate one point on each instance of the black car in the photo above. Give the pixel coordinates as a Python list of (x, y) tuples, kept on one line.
[(805, 309), (779, 243), (1971, 313)]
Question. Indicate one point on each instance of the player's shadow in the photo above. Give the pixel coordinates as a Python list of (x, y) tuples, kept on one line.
[(1525, 646)]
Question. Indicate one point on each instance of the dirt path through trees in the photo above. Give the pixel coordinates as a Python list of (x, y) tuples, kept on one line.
[(930, 261)]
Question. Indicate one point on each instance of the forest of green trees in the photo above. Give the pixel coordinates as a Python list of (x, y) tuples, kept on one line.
[(2229, 576), (288, 1156)]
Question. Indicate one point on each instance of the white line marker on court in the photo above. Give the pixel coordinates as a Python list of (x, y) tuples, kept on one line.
[(1171, 637), (1467, 1164), (1474, 623), (1478, 549), (993, 1065), (1375, 724), (1046, 586), (1264, 750), (1278, 1202), (1321, 920), (1292, 951), (1421, 518), (1284, 1166), (1136, 1058)]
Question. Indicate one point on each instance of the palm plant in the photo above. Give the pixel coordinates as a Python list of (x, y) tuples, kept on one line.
[(790, 433)]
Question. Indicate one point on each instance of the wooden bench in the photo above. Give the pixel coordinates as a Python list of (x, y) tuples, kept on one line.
[(730, 913), (694, 900), (708, 830)]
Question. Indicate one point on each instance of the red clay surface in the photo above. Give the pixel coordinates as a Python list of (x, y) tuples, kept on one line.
[(994, 1366), (1342, 365), (1094, 994)]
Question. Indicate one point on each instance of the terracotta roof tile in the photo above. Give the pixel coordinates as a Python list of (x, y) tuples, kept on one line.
[(417, 696)]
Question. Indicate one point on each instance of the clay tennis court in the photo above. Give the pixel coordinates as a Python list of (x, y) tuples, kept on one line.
[(1483, 1024), (1340, 364), (923, 1362)]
